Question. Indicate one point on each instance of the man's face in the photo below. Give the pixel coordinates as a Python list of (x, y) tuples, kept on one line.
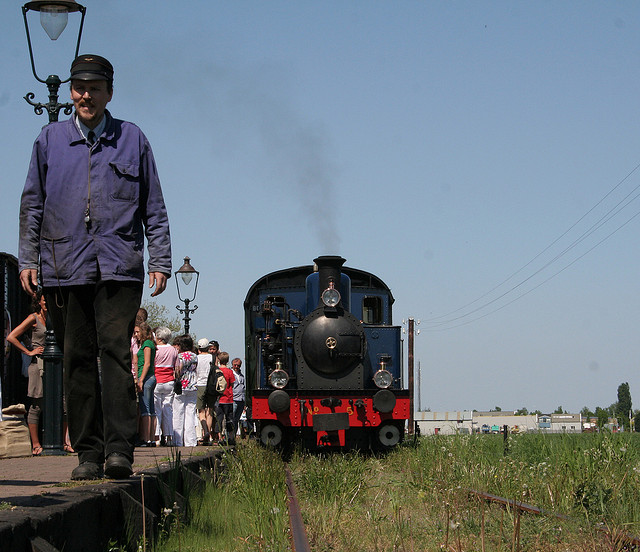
[(236, 365), (90, 98)]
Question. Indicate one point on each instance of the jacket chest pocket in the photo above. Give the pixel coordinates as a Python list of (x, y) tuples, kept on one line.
[(126, 181)]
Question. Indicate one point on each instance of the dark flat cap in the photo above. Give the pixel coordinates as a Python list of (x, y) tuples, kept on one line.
[(91, 67)]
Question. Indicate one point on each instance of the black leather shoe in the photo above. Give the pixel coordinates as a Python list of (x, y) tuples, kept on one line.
[(117, 466), (87, 471)]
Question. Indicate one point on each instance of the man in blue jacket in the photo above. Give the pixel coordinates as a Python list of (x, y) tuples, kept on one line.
[(92, 194)]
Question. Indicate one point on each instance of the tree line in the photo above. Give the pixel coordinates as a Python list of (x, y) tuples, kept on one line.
[(628, 419)]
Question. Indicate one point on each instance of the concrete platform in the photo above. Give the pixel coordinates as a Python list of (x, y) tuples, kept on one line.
[(41, 509)]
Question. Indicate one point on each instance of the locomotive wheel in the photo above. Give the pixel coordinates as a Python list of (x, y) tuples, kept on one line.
[(389, 435), (271, 435)]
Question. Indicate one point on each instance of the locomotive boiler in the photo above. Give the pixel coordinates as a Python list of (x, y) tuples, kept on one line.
[(324, 359)]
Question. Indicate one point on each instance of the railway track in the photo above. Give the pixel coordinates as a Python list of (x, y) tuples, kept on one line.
[(299, 541), (631, 542)]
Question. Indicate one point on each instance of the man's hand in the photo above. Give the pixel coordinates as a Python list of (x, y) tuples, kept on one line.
[(159, 280), (29, 280)]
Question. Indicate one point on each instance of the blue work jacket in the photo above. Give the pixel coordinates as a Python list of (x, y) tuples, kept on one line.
[(115, 184)]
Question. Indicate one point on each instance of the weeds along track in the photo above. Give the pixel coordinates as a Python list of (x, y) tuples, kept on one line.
[(626, 541), (545, 493), (454, 493), (300, 542)]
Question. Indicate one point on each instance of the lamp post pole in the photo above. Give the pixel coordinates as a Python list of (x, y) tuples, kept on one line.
[(53, 17), (187, 312), (52, 414), (185, 274)]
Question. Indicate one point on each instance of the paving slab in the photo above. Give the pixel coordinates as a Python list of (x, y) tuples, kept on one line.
[(39, 501), (23, 479)]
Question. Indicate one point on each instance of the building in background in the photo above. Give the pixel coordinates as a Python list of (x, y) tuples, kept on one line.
[(566, 423), (444, 423), (468, 421)]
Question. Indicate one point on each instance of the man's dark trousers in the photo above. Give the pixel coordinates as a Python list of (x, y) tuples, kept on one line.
[(90, 321)]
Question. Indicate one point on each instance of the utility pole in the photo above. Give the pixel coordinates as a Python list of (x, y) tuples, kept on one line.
[(410, 366), (419, 387)]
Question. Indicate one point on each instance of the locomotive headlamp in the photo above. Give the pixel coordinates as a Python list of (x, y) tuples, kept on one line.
[(331, 297), (383, 378), (278, 378)]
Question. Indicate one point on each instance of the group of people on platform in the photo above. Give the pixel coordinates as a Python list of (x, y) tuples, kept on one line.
[(170, 375), (176, 402)]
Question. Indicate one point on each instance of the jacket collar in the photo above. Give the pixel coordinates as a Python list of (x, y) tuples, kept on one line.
[(76, 136)]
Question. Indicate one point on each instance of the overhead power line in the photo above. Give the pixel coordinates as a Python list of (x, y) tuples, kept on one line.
[(467, 312)]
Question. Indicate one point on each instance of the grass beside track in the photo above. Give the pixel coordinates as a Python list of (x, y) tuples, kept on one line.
[(416, 498), (244, 510)]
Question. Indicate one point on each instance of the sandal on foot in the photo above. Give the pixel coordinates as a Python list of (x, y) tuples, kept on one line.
[(36, 451), (68, 448)]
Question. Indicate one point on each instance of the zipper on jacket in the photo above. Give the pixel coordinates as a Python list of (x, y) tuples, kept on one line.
[(87, 215)]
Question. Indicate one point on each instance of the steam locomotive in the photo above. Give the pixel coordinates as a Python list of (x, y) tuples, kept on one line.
[(323, 358)]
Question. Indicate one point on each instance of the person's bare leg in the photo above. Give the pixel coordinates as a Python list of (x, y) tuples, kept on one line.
[(36, 447)]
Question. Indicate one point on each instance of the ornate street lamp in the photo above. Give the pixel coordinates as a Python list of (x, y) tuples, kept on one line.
[(54, 15), (186, 275)]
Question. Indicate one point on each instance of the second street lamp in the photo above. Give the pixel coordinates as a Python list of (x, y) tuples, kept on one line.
[(187, 289), (53, 17)]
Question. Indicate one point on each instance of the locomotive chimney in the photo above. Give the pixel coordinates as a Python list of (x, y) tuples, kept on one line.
[(329, 269)]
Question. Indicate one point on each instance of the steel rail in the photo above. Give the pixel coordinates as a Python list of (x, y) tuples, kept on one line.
[(516, 505), (299, 541), (523, 506)]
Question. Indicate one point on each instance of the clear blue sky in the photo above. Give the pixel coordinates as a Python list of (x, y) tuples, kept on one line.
[(440, 145)]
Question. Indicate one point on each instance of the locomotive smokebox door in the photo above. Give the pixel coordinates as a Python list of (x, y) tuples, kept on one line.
[(330, 348)]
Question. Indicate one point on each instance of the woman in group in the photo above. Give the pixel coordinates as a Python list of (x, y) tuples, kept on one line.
[(146, 382), (165, 368), (184, 404), (32, 331)]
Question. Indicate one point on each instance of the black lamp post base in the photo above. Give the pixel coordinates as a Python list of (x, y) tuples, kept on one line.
[(53, 452)]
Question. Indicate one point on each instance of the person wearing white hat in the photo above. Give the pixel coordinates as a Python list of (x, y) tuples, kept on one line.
[(204, 413)]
